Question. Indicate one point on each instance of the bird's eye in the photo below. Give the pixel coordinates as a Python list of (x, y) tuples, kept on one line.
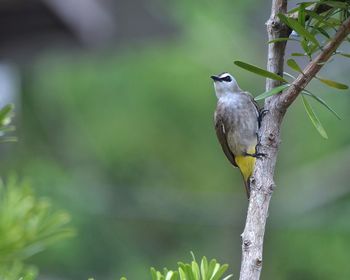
[(227, 79)]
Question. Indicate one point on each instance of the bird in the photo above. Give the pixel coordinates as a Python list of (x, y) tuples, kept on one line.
[(237, 120)]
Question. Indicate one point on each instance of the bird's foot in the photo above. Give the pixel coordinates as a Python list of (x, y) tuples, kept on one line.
[(256, 155), (262, 114)]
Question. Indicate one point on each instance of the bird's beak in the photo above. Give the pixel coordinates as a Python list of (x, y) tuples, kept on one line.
[(215, 78)]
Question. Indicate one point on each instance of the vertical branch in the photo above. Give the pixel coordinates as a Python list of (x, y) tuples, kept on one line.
[(262, 183)]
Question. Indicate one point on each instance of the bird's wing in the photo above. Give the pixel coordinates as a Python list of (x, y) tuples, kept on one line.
[(254, 102), (259, 111), (220, 133)]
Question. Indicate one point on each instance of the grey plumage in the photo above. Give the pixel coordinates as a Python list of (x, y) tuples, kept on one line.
[(236, 124), (235, 118)]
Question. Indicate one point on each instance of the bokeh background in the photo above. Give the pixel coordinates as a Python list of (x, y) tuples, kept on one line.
[(114, 115)]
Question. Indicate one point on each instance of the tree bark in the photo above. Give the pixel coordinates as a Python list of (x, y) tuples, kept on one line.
[(262, 183)]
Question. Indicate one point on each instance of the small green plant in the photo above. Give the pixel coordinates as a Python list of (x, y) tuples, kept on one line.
[(28, 224), (211, 270), (206, 270)]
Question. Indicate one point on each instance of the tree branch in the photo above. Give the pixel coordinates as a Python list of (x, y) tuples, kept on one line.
[(262, 183), (285, 100)]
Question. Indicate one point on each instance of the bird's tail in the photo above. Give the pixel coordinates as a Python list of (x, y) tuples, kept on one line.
[(246, 165)]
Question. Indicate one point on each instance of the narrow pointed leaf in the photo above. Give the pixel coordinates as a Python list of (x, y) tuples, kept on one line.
[(211, 268), (320, 100), (298, 54), (193, 256), (327, 23), (315, 121), (195, 270), (282, 39), (333, 84), (345, 55), (323, 32), (289, 75), (220, 272), (336, 4), (182, 274), (169, 275), (204, 268), (272, 92), (295, 25), (294, 65), (188, 271), (153, 273), (306, 4), (259, 71), (301, 14), (228, 277)]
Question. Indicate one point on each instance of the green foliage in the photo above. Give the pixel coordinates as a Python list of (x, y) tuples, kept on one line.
[(311, 27), (205, 270), (333, 84), (272, 92), (294, 65), (321, 101), (314, 119), (18, 271), (259, 71), (27, 226), (6, 114)]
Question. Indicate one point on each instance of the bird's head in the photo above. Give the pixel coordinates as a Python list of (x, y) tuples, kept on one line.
[(225, 84)]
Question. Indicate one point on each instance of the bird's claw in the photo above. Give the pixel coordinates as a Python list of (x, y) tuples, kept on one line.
[(256, 155), (262, 114)]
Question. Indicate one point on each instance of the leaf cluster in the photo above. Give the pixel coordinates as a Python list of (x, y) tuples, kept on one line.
[(28, 224), (314, 25), (205, 270)]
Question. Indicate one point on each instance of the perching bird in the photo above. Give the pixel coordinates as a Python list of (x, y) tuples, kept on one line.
[(237, 120)]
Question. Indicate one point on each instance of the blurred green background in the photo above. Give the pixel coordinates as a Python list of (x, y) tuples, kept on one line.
[(121, 136)]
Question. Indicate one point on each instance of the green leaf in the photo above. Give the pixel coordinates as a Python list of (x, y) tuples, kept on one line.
[(182, 274), (301, 14), (204, 268), (320, 100), (329, 23), (336, 4), (153, 273), (295, 25), (195, 270), (211, 268), (345, 55), (289, 75), (315, 121), (193, 256), (169, 275), (323, 32), (333, 84), (306, 4), (298, 54), (188, 271), (294, 65), (282, 39), (220, 272), (5, 112), (256, 70), (272, 92), (305, 46)]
